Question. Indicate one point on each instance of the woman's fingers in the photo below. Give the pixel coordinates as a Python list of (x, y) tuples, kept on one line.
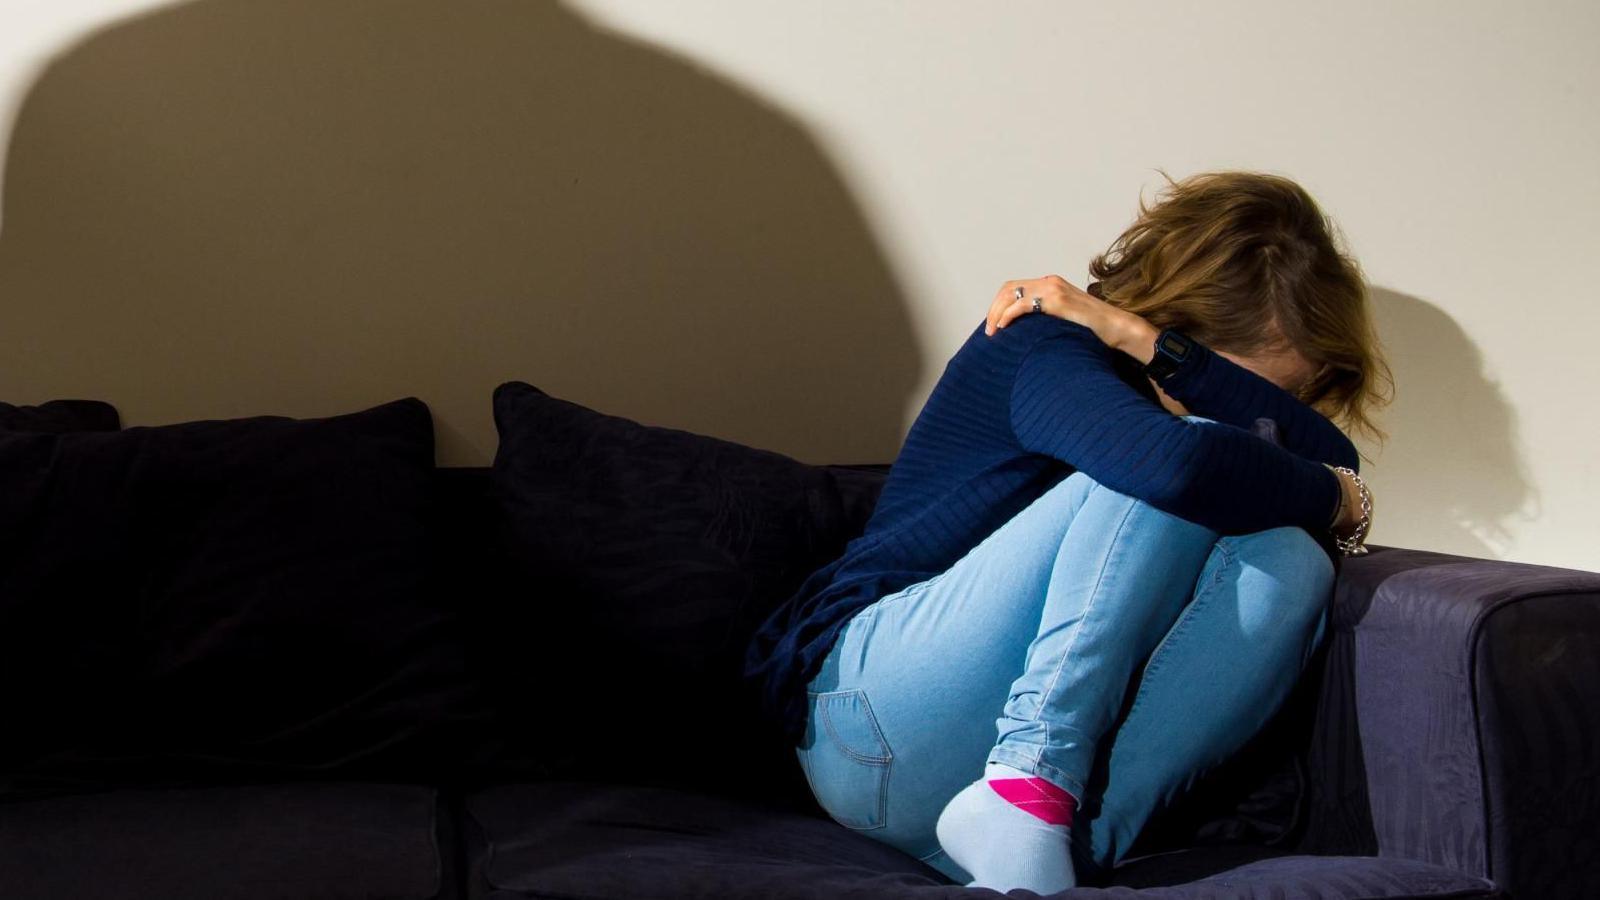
[(1057, 296), (1013, 309), (1006, 306), (993, 315), (1002, 298)]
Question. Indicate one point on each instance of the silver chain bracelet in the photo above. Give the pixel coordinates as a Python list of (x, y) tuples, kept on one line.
[(1352, 545)]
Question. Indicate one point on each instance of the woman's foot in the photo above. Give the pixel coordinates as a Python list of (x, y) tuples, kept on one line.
[(1011, 829)]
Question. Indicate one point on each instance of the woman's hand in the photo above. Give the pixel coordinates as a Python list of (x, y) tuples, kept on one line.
[(1115, 327)]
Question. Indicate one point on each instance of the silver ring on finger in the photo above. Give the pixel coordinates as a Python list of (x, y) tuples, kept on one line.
[(1019, 293), (1036, 307)]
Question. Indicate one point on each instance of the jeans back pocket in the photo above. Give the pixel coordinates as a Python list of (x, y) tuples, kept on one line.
[(846, 760)]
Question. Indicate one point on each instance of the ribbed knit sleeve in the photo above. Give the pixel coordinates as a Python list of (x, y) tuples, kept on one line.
[(1211, 385), (1068, 403)]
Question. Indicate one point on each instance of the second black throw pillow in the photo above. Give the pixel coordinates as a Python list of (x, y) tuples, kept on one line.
[(652, 554)]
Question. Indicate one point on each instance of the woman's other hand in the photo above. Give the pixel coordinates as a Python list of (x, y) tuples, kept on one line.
[(1114, 326)]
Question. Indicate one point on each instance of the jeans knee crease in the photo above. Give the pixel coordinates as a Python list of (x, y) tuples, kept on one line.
[(1202, 594), (1153, 665)]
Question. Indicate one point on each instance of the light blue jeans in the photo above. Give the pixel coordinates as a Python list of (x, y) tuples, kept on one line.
[(1022, 653)]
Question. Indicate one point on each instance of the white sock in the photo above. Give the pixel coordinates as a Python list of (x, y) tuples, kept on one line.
[(1015, 832)]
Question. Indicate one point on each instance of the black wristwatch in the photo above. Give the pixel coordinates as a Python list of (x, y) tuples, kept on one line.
[(1172, 348)]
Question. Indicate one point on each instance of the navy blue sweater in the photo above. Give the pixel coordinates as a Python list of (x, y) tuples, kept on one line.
[(1014, 414)]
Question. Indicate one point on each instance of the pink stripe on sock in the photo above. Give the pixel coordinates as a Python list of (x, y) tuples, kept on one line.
[(1037, 797)]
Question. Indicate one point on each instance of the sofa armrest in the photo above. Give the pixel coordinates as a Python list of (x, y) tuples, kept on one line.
[(1459, 715)]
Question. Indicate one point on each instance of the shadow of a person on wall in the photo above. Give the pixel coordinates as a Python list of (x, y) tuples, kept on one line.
[(310, 206), (1451, 466)]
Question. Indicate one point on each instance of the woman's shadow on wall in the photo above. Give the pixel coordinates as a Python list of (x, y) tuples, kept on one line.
[(1451, 467), (308, 206)]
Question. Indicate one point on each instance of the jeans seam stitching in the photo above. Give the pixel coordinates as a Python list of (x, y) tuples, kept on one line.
[(880, 766), (827, 722), (910, 590), (1066, 653)]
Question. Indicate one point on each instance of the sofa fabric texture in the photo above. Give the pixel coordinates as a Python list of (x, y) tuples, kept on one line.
[(1458, 719), (571, 839), (329, 840)]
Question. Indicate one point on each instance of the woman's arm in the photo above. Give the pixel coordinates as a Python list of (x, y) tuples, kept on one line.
[(1068, 402), (1211, 385), (1207, 384)]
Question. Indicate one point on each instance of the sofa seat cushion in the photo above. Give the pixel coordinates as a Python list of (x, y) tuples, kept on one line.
[(329, 840), (1246, 871), (590, 840), (581, 839)]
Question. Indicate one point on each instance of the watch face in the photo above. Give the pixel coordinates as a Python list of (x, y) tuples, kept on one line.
[(1174, 344)]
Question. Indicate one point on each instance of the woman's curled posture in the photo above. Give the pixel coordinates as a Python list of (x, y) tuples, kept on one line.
[(1142, 479)]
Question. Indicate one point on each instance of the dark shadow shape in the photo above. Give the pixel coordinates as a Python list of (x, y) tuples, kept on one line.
[(1451, 468), (310, 206)]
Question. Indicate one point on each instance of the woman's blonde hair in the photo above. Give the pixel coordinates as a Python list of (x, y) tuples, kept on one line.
[(1244, 262)]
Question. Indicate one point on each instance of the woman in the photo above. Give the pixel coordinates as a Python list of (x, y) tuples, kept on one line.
[(1138, 480)]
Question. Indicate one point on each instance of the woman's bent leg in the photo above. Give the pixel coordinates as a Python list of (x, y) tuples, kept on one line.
[(1123, 573), (1258, 614), (903, 709), (1121, 576)]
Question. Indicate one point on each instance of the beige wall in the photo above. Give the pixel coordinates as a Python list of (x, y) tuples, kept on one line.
[(774, 221)]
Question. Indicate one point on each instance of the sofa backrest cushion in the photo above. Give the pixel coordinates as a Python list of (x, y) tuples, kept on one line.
[(223, 600), (652, 554), (58, 416)]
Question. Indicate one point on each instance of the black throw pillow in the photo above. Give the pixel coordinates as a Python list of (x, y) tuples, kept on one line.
[(60, 416), (651, 554), (222, 600)]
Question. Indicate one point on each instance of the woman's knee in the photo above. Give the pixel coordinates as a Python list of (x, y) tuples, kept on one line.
[(1149, 517), (1296, 565), (1055, 509)]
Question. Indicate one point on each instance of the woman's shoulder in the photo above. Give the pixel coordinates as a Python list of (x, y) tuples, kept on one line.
[(1027, 330), (1004, 350)]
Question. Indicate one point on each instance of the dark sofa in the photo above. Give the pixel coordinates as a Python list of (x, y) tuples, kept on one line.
[(1444, 741)]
